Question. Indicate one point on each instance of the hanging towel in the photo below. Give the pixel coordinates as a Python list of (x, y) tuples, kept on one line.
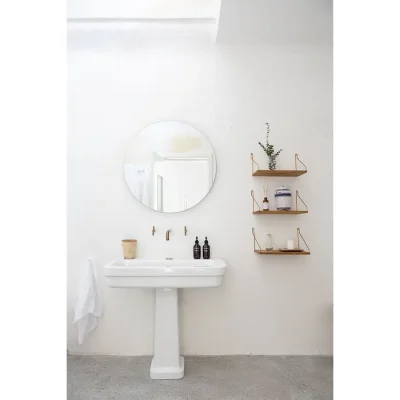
[(88, 306)]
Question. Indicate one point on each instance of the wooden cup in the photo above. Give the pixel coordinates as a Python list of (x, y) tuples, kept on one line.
[(129, 247)]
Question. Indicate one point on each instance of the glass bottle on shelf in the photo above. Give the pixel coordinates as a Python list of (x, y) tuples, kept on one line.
[(265, 201), (269, 246), (265, 204)]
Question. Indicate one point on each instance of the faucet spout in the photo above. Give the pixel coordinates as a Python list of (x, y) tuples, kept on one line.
[(167, 234)]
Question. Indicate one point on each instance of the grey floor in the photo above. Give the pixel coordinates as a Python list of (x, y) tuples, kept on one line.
[(216, 378)]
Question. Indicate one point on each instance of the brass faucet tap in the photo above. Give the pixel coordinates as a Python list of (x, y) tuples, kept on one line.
[(167, 234)]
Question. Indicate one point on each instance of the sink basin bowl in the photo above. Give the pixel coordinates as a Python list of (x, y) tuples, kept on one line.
[(165, 273)]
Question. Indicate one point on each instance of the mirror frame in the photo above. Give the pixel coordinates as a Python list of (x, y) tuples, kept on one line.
[(214, 164)]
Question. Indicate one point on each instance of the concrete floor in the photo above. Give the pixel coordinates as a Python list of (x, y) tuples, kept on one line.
[(214, 378)]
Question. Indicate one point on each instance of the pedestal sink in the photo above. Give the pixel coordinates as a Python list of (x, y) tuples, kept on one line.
[(166, 276)]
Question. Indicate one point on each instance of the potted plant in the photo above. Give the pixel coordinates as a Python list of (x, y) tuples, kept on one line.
[(270, 151)]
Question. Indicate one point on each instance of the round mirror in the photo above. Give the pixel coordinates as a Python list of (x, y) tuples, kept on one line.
[(170, 166)]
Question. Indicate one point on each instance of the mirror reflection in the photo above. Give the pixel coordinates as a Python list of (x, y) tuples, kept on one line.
[(170, 166)]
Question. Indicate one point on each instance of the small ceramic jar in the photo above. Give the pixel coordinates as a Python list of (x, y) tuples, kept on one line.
[(283, 198)]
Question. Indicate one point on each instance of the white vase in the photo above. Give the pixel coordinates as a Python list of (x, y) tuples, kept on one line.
[(268, 242)]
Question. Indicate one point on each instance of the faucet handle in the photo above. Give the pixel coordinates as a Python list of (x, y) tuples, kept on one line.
[(185, 230), (153, 230)]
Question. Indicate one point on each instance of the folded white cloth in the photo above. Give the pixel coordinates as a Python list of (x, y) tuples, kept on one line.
[(89, 305)]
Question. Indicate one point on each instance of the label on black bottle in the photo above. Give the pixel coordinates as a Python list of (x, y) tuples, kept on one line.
[(196, 252), (206, 253)]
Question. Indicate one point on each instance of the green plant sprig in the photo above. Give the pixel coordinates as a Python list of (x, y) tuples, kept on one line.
[(270, 151)]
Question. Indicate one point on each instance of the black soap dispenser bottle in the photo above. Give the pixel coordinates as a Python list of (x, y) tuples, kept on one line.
[(196, 249), (206, 250)]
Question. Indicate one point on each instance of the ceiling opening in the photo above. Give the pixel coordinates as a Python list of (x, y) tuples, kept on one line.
[(143, 9)]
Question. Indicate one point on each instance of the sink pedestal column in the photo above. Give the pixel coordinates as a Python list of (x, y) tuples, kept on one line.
[(166, 363)]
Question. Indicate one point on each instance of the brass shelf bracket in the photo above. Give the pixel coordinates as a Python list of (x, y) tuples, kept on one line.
[(298, 197), (255, 240), (255, 201), (253, 162), (297, 203), (299, 235), (298, 240), (296, 158)]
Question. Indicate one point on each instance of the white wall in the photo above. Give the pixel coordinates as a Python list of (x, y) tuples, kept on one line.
[(266, 305)]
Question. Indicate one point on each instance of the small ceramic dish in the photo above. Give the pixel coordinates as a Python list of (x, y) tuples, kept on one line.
[(291, 250)]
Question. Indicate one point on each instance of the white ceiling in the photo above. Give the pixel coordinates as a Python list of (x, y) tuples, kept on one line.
[(276, 21), (236, 21)]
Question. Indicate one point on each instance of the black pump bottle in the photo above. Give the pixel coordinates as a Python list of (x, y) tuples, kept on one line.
[(196, 249), (206, 250)]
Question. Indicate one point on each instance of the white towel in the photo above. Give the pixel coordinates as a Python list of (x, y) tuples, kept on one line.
[(88, 306)]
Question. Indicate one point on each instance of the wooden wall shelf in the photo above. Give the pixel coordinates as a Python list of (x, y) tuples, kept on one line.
[(278, 172), (280, 212), (296, 211), (256, 171), (283, 253)]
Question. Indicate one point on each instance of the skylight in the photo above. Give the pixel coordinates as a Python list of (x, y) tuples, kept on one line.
[(142, 9)]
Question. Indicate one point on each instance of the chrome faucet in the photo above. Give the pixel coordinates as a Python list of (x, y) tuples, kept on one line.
[(167, 234)]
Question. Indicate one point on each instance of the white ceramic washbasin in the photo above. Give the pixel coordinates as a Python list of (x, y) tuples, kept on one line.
[(175, 273), (166, 276)]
